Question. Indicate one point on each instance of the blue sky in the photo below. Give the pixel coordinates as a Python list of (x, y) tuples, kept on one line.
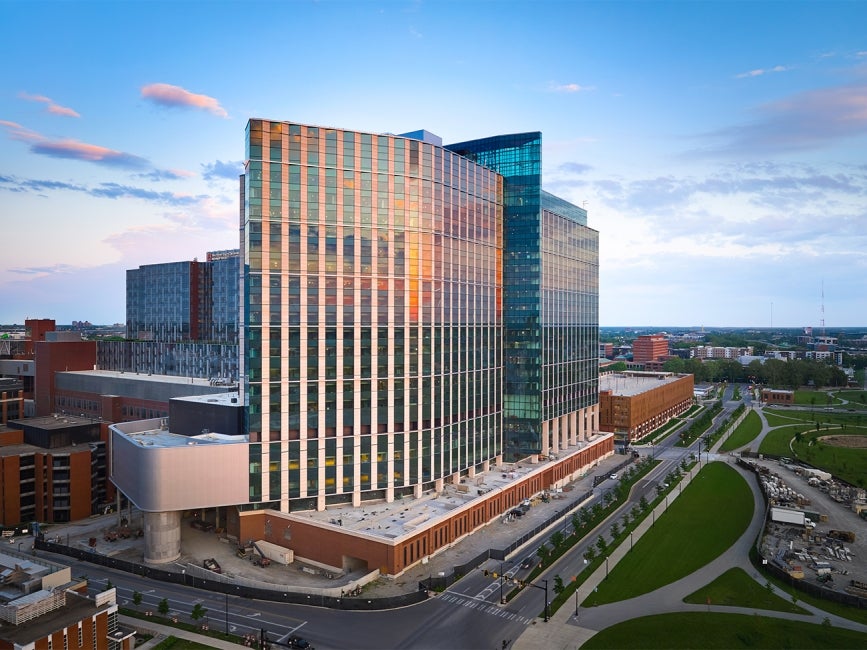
[(719, 147)]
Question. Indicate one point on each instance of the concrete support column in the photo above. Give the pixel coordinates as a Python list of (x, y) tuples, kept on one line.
[(555, 435), (573, 429), (545, 439), (564, 431), (582, 436), (162, 537)]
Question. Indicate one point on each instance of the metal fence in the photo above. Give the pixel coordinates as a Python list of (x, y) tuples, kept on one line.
[(234, 589)]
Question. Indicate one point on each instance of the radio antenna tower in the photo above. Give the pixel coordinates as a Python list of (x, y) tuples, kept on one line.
[(822, 319)]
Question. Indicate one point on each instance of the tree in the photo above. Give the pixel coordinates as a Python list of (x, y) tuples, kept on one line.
[(589, 554), (626, 519), (543, 552), (575, 520), (198, 612), (601, 544), (615, 530), (642, 503), (136, 598), (609, 497), (636, 512), (558, 584), (163, 607), (556, 539)]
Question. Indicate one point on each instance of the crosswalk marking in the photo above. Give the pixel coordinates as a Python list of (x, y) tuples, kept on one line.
[(481, 606)]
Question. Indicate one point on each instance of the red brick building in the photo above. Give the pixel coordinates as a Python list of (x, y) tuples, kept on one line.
[(649, 347), (633, 404), (781, 397), (52, 470)]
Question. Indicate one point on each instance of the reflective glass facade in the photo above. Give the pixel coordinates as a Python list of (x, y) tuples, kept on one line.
[(373, 314), (550, 301), (185, 301)]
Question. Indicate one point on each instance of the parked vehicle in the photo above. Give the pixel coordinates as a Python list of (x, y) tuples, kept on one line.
[(298, 642), (212, 565)]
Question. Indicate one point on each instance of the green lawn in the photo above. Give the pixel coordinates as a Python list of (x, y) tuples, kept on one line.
[(745, 433), (735, 588), (856, 398), (845, 463), (776, 442), (710, 515), (850, 464), (691, 630), (778, 419), (814, 398)]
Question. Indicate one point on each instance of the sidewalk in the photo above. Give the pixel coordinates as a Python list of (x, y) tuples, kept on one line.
[(162, 632), (564, 632)]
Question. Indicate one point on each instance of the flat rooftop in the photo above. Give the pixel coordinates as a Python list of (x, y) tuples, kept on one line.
[(143, 376), (405, 516), (627, 385), (54, 422), (167, 439)]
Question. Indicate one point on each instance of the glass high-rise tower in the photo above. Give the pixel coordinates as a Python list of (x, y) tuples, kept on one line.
[(411, 312), (550, 304)]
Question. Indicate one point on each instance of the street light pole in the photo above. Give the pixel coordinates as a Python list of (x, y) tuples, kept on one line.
[(227, 613), (546, 600)]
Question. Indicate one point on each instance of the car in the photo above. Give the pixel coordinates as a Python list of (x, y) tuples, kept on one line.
[(517, 512), (613, 476), (298, 642), (528, 562), (212, 565)]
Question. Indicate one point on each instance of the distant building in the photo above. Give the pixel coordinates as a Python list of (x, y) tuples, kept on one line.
[(633, 404), (11, 399), (718, 352), (123, 397), (185, 301), (649, 347), (772, 396), (187, 359), (606, 350)]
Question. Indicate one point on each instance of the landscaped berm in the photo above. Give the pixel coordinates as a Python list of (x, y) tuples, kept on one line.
[(711, 514)]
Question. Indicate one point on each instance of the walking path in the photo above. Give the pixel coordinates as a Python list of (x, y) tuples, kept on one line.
[(565, 632)]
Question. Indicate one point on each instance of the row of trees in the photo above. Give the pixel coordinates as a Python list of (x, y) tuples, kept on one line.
[(773, 372)]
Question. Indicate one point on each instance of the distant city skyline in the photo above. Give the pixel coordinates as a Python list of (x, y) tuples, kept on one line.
[(717, 150)]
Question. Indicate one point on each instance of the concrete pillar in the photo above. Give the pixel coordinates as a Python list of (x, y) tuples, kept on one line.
[(162, 537), (582, 436), (573, 429), (555, 435), (564, 431), (545, 438)]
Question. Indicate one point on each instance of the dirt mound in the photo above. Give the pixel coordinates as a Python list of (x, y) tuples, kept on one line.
[(851, 442)]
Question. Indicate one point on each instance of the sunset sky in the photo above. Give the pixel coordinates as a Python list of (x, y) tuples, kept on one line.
[(720, 148)]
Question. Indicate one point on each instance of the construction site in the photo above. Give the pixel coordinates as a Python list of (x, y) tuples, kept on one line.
[(815, 527)]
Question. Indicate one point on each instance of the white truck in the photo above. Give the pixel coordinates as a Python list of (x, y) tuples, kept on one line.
[(782, 515)]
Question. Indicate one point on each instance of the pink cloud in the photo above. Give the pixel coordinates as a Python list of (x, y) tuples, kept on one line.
[(175, 96), (53, 108), (88, 152), (72, 149)]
